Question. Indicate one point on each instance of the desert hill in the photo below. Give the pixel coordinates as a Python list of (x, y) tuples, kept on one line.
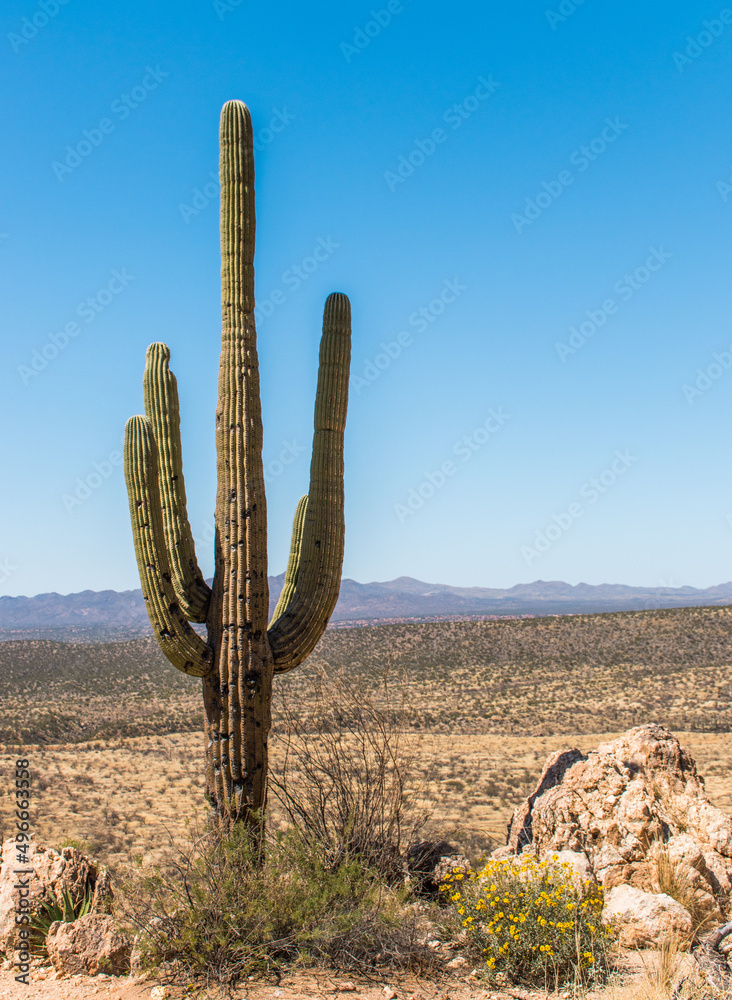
[(553, 675)]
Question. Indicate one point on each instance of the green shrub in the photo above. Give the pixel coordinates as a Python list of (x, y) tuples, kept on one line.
[(530, 922), (228, 908)]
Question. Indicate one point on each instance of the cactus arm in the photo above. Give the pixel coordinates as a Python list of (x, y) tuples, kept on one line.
[(293, 563), (161, 406), (185, 649), (294, 634)]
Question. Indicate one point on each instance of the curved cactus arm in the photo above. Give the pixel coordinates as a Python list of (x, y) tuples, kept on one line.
[(161, 406), (185, 649), (295, 632), (293, 563)]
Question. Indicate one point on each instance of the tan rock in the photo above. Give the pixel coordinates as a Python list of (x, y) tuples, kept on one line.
[(46, 871), (646, 920), (520, 827), (614, 804), (581, 869), (90, 945)]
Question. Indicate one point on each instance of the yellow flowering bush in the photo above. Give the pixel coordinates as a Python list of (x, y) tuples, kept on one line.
[(531, 921)]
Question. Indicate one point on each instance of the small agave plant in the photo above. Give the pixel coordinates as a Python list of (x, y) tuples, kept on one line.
[(64, 910)]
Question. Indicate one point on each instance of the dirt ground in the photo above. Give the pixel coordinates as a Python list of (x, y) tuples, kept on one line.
[(632, 980)]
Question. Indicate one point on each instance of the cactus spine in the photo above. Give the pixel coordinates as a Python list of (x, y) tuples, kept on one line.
[(242, 653)]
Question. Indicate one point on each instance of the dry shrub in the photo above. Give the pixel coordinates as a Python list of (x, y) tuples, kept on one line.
[(228, 907), (344, 777)]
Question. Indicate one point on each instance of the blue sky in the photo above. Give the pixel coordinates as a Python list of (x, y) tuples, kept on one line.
[(530, 208)]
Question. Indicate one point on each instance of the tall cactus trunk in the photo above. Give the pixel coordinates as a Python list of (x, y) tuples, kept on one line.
[(242, 654), (236, 695)]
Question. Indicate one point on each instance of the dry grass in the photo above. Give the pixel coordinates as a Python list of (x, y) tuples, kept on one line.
[(672, 879), (124, 799), (114, 732)]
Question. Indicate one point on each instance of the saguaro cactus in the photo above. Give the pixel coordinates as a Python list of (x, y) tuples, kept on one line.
[(243, 652)]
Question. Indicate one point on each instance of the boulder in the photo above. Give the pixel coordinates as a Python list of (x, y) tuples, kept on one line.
[(645, 919), (42, 872), (632, 808), (429, 862), (88, 946)]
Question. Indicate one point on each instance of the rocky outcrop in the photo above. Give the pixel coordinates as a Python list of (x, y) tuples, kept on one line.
[(636, 809), (45, 873), (88, 946)]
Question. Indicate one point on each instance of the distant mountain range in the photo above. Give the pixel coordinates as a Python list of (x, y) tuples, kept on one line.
[(108, 613)]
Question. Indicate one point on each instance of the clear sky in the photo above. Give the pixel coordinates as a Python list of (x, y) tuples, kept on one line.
[(529, 205)]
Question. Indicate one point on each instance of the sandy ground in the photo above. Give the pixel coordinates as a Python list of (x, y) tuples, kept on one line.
[(629, 982)]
